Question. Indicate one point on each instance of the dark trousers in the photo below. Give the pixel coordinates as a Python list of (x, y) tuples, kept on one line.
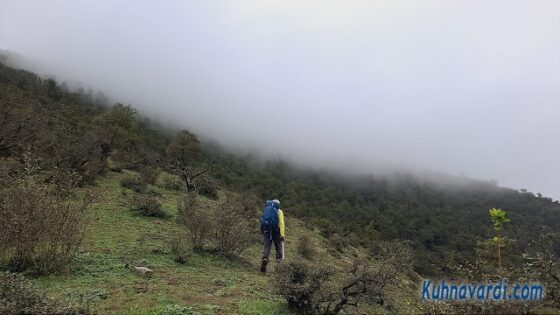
[(268, 240)]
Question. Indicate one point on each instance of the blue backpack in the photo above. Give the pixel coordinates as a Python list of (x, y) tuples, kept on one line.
[(269, 219)]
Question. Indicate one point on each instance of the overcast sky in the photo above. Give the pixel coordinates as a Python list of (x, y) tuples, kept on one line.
[(464, 87)]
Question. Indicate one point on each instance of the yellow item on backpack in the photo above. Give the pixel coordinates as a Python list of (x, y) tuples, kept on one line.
[(281, 223)]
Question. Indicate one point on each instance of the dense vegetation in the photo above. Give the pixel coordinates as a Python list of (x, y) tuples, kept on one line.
[(55, 142), (443, 216)]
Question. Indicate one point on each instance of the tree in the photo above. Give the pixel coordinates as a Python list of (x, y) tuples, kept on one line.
[(115, 124), (18, 120), (184, 158)]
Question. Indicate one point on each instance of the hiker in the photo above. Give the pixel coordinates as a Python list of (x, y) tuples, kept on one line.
[(273, 231)]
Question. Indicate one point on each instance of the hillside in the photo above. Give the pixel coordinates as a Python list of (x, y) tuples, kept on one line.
[(443, 216), (116, 236), (208, 283)]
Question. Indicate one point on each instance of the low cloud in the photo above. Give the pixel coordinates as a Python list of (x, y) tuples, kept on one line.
[(462, 87)]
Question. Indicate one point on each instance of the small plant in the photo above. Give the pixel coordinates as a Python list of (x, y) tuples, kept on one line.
[(94, 169), (171, 182), (338, 243), (147, 205), (300, 284), (197, 219), (306, 247), (498, 217), (149, 175), (115, 169), (19, 296), (219, 282), (134, 184), (181, 247)]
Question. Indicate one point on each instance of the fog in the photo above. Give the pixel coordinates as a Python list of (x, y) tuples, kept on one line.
[(462, 87)]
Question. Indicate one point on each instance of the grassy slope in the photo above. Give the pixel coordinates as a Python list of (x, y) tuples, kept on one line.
[(208, 283)]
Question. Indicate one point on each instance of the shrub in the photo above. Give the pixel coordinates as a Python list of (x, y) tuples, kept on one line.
[(197, 219), (545, 264), (94, 169), (306, 247), (207, 188), (131, 155), (171, 182), (19, 296), (147, 205), (40, 228), (9, 169), (338, 243), (300, 284), (181, 247), (153, 192), (320, 290), (134, 184), (227, 229), (115, 169), (233, 232), (149, 175), (249, 205)]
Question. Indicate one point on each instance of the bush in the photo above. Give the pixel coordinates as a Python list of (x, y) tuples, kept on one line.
[(338, 243), (206, 188), (9, 169), (545, 264), (249, 205), (148, 206), (181, 247), (306, 247), (233, 232), (320, 290), (131, 155), (40, 228), (227, 229), (115, 169), (197, 219), (300, 284), (149, 175), (94, 169), (171, 182), (19, 296), (134, 184)]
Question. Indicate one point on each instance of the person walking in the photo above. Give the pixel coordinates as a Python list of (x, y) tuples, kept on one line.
[(273, 232)]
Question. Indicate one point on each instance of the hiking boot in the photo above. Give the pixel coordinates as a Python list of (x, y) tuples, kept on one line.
[(263, 264)]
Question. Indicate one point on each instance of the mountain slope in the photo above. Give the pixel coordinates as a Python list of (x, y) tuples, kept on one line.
[(208, 283)]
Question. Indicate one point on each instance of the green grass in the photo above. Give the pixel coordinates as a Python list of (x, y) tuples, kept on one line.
[(116, 236)]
